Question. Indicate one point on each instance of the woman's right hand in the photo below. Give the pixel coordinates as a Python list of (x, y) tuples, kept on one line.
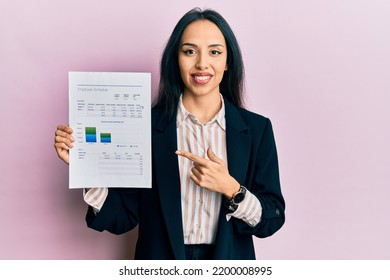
[(63, 141)]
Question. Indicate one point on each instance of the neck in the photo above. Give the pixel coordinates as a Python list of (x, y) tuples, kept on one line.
[(204, 108)]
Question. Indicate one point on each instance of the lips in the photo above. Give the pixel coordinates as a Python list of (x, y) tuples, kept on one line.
[(201, 78)]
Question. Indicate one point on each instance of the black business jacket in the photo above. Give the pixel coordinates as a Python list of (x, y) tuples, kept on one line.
[(252, 161)]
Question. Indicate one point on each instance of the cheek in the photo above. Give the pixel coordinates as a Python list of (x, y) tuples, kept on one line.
[(182, 67), (222, 68)]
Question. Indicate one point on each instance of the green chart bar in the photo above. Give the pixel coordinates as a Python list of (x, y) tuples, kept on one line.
[(105, 137), (90, 134)]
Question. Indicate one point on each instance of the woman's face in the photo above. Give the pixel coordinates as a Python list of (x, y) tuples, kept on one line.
[(202, 58)]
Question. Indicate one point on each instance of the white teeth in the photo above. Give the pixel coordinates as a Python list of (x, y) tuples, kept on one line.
[(202, 78)]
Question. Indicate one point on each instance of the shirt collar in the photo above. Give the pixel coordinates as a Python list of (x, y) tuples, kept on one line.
[(183, 114)]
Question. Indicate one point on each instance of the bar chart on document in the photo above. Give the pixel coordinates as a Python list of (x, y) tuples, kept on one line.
[(110, 117)]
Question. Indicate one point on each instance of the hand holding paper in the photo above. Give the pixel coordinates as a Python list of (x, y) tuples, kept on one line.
[(63, 141)]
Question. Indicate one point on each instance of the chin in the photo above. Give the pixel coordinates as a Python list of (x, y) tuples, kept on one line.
[(201, 92)]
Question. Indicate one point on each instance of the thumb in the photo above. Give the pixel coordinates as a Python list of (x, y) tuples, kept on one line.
[(213, 157)]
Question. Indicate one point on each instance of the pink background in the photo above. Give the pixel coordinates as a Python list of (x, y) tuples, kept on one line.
[(319, 69)]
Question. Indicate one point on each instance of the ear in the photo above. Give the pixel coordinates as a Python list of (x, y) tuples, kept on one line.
[(226, 67)]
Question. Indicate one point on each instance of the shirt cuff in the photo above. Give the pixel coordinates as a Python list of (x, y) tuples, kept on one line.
[(249, 210), (95, 197)]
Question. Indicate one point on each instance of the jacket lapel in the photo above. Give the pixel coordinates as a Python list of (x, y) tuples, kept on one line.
[(238, 145), (167, 175)]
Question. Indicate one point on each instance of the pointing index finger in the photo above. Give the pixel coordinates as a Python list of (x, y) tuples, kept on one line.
[(193, 157)]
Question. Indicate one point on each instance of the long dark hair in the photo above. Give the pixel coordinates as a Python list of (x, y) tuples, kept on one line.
[(171, 84)]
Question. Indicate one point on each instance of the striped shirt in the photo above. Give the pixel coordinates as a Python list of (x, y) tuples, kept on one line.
[(200, 207)]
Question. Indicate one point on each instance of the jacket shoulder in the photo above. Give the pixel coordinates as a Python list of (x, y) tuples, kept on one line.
[(250, 116), (255, 123), (242, 116)]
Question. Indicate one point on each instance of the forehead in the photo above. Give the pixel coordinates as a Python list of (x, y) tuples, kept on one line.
[(202, 31)]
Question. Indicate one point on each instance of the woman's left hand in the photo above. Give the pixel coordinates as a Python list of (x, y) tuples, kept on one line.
[(211, 173)]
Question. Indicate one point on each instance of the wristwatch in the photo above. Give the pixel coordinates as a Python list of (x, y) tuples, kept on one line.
[(238, 197)]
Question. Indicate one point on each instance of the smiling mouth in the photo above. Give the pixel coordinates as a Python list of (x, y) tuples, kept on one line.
[(201, 79)]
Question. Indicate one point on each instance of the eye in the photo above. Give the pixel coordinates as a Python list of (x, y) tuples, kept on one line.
[(215, 52), (189, 52)]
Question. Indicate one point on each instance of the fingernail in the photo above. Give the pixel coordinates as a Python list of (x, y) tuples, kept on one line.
[(178, 152)]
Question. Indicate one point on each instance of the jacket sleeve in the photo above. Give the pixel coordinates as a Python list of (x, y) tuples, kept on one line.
[(118, 214), (265, 185)]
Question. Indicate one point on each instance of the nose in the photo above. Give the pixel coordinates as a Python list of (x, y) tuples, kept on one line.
[(202, 62)]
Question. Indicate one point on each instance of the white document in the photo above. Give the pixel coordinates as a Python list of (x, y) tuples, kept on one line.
[(110, 114)]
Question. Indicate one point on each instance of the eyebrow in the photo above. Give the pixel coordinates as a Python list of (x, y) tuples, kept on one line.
[(210, 46)]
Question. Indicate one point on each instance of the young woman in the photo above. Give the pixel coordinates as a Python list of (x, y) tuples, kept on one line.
[(215, 168)]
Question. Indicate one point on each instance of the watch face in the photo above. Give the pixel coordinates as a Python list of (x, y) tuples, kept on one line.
[(239, 197)]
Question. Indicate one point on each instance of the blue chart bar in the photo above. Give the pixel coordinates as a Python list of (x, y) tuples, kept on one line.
[(105, 137), (90, 134)]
